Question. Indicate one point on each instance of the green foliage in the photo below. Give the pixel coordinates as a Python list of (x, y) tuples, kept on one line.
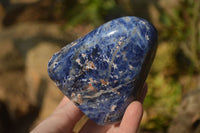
[(163, 98), (90, 11), (164, 91), (157, 124), (183, 28)]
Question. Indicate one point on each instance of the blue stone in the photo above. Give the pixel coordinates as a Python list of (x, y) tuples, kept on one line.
[(104, 71)]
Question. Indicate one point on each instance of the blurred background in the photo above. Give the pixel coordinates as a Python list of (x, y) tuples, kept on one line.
[(32, 30)]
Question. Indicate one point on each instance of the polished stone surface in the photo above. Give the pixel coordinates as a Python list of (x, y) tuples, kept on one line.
[(105, 70)]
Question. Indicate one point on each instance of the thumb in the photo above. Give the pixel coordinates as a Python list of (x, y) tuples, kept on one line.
[(133, 114), (132, 117)]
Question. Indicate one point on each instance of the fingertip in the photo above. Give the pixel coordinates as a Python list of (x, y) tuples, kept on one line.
[(132, 117), (134, 109)]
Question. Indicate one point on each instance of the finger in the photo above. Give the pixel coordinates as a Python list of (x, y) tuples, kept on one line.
[(62, 120), (132, 117), (92, 127), (69, 114)]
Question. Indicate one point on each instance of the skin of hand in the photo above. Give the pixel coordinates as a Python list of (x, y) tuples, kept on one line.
[(65, 116)]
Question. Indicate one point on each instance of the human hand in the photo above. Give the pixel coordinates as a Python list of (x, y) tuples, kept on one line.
[(66, 115)]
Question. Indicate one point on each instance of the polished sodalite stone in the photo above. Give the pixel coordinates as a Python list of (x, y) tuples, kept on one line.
[(105, 70)]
